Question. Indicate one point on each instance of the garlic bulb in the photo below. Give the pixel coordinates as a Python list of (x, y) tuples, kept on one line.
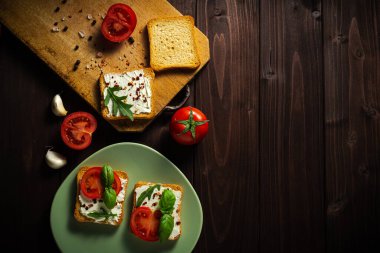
[(55, 160), (57, 106)]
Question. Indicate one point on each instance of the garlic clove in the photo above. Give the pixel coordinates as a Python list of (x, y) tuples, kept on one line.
[(57, 106), (55, 160)]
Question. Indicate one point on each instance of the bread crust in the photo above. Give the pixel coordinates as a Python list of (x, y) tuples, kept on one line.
[(81, 218), (158, 67), (175, 187), (104, 109)]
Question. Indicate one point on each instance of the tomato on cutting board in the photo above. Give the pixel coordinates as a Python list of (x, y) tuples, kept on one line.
[(188, 126), (77, 129), (91, 183), (119, 23), (145, 223)]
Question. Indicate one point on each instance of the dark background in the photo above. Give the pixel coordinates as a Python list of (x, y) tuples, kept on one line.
[(292, 159)]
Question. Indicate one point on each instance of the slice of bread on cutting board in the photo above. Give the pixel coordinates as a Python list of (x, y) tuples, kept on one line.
[(84, 205), (137, 86), (172, 43)]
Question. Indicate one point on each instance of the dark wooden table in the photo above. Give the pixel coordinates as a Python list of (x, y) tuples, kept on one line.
[(292, 159)]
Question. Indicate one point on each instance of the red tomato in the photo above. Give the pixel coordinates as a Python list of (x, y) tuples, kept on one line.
[(119, 23), (145, 224), (91, 183), (188, 126), (77, 129)]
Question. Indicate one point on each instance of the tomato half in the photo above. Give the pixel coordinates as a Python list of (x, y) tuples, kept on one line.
[(77, 129), (119, 23), (188, 126), (91, 183), (145, 223)]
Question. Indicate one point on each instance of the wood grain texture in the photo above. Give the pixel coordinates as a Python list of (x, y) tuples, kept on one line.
[(226, 162), (32, 22), (352, 101), (291, 128)]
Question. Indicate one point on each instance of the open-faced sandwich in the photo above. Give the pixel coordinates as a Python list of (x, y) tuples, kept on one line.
[(156, 213), (100, 195), (127, 95)]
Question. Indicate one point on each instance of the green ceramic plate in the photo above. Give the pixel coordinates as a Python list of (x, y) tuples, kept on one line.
[(141, 163)]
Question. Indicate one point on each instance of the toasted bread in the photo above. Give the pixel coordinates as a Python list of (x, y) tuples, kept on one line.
[(173, 187), (172, 43), (82, 218), (149, 74)]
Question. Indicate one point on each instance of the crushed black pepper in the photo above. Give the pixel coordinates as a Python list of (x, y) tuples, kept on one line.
[(93, 22), (76, 47), (76, 64), (80, 11), (65, 29), (69, 16), (63, 1), (56, 23), (57, 9), (131, 40), (89, 38)]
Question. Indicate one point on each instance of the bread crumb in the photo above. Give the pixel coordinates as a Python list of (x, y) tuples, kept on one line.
[(81, 34)]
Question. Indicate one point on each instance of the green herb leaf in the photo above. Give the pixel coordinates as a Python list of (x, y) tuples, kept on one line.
[(167, 201), (117, 103), (147, 194), (102, 214), (107, 176), (109, 197), (166, 226)]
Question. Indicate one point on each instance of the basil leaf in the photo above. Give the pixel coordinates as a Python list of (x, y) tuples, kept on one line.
[(118, 103), (109, 197), (103, 214), (107, 176), (147, 194), (166, 226), (167, 201)]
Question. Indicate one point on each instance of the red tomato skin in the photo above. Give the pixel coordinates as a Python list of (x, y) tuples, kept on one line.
[(112, 17), (82, 123), (97, 171), (149, 216), (176, 129)]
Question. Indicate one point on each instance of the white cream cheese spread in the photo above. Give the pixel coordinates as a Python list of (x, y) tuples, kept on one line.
[(135, 86), (153, 204), (96, 205)]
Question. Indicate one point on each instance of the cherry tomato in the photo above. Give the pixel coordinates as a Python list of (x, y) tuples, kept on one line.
[(91, 184), (77, 129), (145, 223), (188, 126), (119, 23)]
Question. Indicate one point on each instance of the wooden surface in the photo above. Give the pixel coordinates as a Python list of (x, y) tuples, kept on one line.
[(32, 22), (292, 159)]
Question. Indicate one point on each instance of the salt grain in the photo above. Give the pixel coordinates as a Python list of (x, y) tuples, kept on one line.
[(63, 18), (55, 29), (89, 16), (99, 55)]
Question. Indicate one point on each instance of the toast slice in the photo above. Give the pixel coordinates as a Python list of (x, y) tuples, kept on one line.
[(153, 203), (172, 43), (138, 87), (83, 202)]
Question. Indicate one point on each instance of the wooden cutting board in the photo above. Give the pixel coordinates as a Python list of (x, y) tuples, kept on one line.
[(32, 22)]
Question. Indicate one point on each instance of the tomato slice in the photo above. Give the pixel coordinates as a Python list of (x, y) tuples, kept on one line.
[(119, 23), (145, 223), (77, 129), (91, 184)]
